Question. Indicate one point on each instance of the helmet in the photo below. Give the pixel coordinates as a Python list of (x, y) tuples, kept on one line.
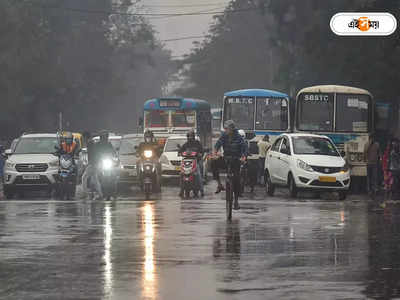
[(69, 138), (242, 133), (191, 135), (230, 124), (148, 136)]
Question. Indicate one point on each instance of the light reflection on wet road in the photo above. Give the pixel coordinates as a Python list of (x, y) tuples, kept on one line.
[(168, 248)]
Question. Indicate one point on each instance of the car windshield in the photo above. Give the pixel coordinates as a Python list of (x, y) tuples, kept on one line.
[(128, 145), (305, 145), (37, 145), (172, 145)]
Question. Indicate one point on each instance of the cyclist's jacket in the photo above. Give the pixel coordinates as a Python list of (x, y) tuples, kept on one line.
[(233, 145)]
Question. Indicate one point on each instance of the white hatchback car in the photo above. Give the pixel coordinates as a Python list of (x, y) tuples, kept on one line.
[(306, 162)]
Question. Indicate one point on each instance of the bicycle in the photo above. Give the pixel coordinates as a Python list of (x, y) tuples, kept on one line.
[(230, 190)]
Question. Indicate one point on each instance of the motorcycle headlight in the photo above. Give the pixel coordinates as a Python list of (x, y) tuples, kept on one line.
[(148, 153), (303, 165), (164, 160), (107, 164), (65, 163), (9, 165), (54, 164)]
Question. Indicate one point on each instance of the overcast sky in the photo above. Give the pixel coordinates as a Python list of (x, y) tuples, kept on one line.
[(182, 26)]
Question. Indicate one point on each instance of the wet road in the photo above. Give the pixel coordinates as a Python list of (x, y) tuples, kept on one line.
[(168, 248)]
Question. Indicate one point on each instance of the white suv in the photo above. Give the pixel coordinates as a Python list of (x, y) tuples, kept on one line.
[(306, 161), (32, 165)]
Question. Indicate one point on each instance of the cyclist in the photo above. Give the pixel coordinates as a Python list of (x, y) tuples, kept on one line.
[(234, 146)]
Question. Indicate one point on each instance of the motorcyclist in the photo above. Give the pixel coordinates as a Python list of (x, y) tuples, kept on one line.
[(196, 146), (101, 149), (68, 145), (234, 146), (150, 143)]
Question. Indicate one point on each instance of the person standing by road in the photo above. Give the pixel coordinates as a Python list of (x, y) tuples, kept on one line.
[(263, 147), (371, 156)]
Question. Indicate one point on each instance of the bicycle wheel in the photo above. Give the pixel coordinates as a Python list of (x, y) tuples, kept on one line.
[(229, 199)]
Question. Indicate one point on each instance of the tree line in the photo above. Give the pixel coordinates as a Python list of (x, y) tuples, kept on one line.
[(287, 45), (78, 58)]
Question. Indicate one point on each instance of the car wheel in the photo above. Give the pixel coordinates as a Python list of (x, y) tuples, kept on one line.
[(342, 195), (292, 187), (269, 187)]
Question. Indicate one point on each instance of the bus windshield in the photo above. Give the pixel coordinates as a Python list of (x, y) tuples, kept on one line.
[(183, 118), (240, 110), (272, 114), (352, 112), (315, 112), (156, 118)]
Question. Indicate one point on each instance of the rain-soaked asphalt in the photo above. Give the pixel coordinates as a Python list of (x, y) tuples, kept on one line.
[(168, 248)]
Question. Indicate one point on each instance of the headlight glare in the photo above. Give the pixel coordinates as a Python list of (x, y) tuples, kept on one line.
[(107, 164), (148, 153)]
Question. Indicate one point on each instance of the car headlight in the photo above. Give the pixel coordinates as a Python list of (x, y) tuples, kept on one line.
[(164, 160), (345, 168), (148, 153), (304, 166), (9, 165), (54, 164), (107, 164)]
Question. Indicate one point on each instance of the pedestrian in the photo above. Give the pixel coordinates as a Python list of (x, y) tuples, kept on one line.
[(371, 156), (394, 167), (263, 147), (387, 174)]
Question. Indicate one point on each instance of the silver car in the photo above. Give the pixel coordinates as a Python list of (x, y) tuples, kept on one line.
[(32, 165)]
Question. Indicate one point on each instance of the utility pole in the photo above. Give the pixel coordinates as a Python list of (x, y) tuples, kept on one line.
[(60, 127)]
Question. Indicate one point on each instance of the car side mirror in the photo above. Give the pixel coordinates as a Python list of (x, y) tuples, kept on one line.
[(342, 153)]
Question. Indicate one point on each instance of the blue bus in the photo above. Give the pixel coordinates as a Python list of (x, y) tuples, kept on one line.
[(167, 116), (258, 111), (345, 114)]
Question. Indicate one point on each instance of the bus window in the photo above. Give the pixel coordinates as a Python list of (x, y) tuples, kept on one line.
[(272, 114), (182, 118), (352, 112), (240, 110), (156, 118), (315, 112)]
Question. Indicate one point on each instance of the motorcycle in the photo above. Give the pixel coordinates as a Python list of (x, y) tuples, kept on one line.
[(108, 176), (148, 173), (189, 167), (66, 176)]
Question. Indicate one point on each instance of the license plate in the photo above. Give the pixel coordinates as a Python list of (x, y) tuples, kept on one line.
[(132, 173), (177, 168), (327, 179), (31, 177)]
